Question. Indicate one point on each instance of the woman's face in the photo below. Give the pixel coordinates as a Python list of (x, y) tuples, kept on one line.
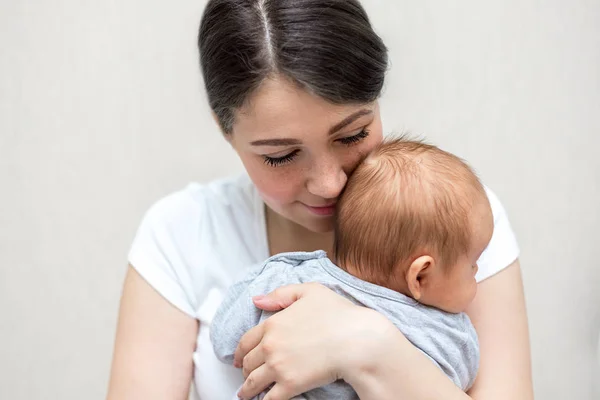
[(299, 149)]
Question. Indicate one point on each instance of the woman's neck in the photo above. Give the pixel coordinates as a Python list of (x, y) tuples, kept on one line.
[(285, 236)]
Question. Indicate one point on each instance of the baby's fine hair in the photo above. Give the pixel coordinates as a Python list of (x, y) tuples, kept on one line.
[(406, 199)]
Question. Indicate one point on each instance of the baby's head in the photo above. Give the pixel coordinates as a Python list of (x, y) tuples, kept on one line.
[(415, 219)]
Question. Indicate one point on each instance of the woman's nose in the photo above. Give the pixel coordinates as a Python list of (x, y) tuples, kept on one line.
[(327, 180)]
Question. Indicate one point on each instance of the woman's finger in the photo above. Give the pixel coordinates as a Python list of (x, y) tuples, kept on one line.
[(259, 380), (249, 341), (254, 359), (278, 392), (282, 297)]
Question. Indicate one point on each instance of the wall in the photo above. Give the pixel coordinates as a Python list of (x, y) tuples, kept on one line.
[(102, 113)]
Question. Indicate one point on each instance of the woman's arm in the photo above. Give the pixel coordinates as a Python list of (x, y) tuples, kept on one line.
[(499, 315), (373, 356), (153, 346), (382, 376), (321, 337)]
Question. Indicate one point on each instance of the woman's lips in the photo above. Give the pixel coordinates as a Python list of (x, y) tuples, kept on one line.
[(322, 211)]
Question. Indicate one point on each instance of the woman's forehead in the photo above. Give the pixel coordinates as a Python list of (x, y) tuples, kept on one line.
[(279, 104)]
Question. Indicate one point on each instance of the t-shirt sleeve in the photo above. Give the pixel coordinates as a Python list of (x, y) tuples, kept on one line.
[(160, 252), (503, 248)]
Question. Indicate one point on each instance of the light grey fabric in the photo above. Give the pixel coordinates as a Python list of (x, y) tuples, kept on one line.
[(449, 340)]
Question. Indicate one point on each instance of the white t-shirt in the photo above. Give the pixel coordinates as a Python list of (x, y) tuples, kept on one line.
[(193, 244)]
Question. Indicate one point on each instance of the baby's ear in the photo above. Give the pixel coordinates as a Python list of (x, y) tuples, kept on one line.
[(418, 276)]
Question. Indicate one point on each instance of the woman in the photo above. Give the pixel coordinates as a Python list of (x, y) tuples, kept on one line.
[(293, 85)]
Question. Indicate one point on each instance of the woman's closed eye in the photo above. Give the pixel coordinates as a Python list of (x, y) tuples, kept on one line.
[(348, 141), (277, 161)]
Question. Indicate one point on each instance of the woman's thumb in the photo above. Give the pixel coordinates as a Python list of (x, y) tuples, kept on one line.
[(279, 299)]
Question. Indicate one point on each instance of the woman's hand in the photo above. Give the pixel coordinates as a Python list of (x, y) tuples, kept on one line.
[(322, 336), (319, 338)]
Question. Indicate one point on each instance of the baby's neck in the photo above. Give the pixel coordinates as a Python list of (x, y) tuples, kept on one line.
[(398, 284)]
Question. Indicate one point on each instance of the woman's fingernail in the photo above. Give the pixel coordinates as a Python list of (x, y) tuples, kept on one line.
[(236, 364), (258, 298)]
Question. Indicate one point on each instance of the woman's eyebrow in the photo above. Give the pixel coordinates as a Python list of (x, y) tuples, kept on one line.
[(349, 119), (292, 142), (276, 142)]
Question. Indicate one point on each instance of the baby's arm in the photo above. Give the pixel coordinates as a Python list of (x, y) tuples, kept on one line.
[(237, 313), (235, 316)]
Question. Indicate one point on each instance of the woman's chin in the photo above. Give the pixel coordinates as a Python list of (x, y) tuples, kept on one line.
[(309, 221), (321, 225)]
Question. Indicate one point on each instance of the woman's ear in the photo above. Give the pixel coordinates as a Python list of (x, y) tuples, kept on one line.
[(418, 274)]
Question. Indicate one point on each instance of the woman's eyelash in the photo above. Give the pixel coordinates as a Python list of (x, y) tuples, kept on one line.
[(355, 139), (277, 161), (348, 141)]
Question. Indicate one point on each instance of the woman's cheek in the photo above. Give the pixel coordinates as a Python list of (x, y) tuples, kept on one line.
[(278, 186), (354, 156), (359, 153), (376, 136)]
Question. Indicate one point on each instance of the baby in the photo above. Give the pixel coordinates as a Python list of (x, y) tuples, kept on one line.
[(411, 224)]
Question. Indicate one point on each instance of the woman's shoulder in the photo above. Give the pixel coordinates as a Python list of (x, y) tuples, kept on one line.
[(223, 211), (186, 240), (495, 203), (503, 248)]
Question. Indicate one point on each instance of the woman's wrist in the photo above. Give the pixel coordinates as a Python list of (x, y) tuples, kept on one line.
[(366, 345), (383, 364)]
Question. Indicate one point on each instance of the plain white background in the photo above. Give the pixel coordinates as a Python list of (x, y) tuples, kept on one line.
[(102, 112)]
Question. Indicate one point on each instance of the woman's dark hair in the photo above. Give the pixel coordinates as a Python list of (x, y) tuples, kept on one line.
[(327, 47)]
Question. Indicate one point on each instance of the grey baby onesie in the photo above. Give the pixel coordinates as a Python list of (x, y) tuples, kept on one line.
[(449, 340)]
